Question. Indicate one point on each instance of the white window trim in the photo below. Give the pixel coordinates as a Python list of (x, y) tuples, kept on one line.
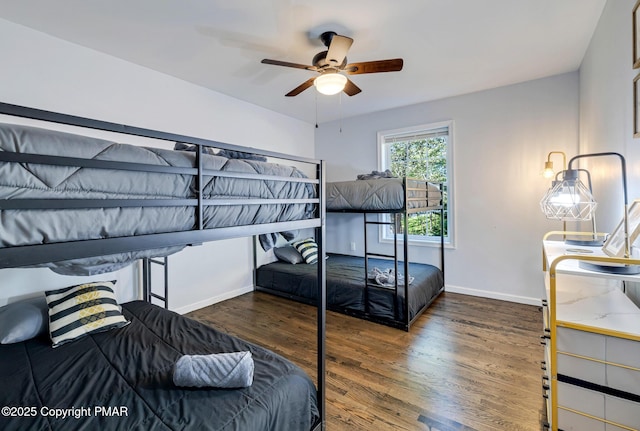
[(451, 219)]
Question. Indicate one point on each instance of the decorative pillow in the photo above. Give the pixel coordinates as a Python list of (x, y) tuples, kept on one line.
[(308, 249), (23, 320), (288, 254), (83, 309)]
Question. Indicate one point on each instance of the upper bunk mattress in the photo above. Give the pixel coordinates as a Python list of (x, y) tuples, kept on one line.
[(381, 194), (130, 371), (40, 181)]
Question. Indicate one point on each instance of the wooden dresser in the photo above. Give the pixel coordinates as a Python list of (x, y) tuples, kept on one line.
[(591, 371)]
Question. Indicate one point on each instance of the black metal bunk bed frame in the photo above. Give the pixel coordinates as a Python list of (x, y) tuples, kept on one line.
[(399, 218), (29, 255)]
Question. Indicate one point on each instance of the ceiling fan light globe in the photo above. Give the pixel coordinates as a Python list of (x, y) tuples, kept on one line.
[(330, 83)]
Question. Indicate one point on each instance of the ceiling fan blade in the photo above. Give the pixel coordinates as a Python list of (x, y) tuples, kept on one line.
[(300, 88), (338, 49), (393, 65), (351, 89), (287, 64)]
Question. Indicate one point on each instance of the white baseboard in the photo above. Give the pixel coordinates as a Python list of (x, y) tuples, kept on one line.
[(213, 300), (448, 288), (492, 295)]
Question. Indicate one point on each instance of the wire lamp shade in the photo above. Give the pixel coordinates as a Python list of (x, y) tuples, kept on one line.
[(569, 199)]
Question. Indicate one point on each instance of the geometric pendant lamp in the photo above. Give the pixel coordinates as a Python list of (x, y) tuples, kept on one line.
[(569, 199)]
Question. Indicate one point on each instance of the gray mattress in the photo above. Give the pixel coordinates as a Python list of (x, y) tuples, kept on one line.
[(24, 181), (381, 194), (345, 285)]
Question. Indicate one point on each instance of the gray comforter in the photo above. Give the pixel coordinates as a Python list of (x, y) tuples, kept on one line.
[(131, 369), (381, 194), (24, 181)]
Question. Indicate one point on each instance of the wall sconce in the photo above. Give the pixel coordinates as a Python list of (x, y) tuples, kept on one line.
[(330, 83), (548, 165)]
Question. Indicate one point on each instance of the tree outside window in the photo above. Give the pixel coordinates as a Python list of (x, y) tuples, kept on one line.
[(423, 154)]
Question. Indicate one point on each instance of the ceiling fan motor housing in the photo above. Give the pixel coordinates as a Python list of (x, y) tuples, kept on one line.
[(327, 37), (321, 62)]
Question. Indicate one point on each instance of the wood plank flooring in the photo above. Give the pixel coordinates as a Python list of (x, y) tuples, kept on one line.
[(468, 363)]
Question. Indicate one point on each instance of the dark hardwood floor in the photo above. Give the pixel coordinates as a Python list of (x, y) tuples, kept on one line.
[(468, 363)]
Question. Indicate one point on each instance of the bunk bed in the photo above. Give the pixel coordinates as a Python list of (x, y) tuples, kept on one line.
[(361, 286), (82, 205)]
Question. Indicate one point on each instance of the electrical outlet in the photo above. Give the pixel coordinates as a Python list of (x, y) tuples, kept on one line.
[(353, 246)]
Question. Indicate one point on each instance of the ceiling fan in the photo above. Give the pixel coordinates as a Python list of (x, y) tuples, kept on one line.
[(330, 63)]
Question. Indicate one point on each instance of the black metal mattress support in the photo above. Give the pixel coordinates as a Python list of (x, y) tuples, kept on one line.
[(28, 255), (398, 216)]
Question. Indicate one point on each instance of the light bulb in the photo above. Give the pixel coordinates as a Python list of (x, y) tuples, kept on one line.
[(330, 83)]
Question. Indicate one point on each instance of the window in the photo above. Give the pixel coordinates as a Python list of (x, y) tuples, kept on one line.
[(420, 152)]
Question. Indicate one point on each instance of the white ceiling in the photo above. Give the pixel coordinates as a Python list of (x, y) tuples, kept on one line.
[(449, 47)]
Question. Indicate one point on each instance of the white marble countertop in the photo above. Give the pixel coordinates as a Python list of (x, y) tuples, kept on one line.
[(591, 298), (596, 303)]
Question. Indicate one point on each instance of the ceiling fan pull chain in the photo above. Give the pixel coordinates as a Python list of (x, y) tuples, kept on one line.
[(316, 109), (340, 102)]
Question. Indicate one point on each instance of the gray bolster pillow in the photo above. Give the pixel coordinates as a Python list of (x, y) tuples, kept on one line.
[(219, 370)]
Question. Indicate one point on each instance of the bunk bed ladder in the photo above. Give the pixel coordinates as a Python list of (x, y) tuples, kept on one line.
[(147, 291)]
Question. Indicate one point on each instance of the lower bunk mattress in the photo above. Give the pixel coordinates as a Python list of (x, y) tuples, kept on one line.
[(346, 286), (128, 372)]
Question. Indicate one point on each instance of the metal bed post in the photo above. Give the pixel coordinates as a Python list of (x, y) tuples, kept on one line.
[(366, 266), (405, 217), (322, 298), (146, 280), (442, 230), (397, 224), (199, 180), (255, 262)]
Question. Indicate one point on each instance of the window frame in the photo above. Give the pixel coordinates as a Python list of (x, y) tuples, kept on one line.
[(406, 133)]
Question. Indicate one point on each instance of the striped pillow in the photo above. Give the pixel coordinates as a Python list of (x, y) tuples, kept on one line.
[(308, 249), (83, 309)]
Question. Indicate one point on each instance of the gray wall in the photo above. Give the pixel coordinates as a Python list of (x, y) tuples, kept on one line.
[(501, 139), (606, 114), (606, 110)]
